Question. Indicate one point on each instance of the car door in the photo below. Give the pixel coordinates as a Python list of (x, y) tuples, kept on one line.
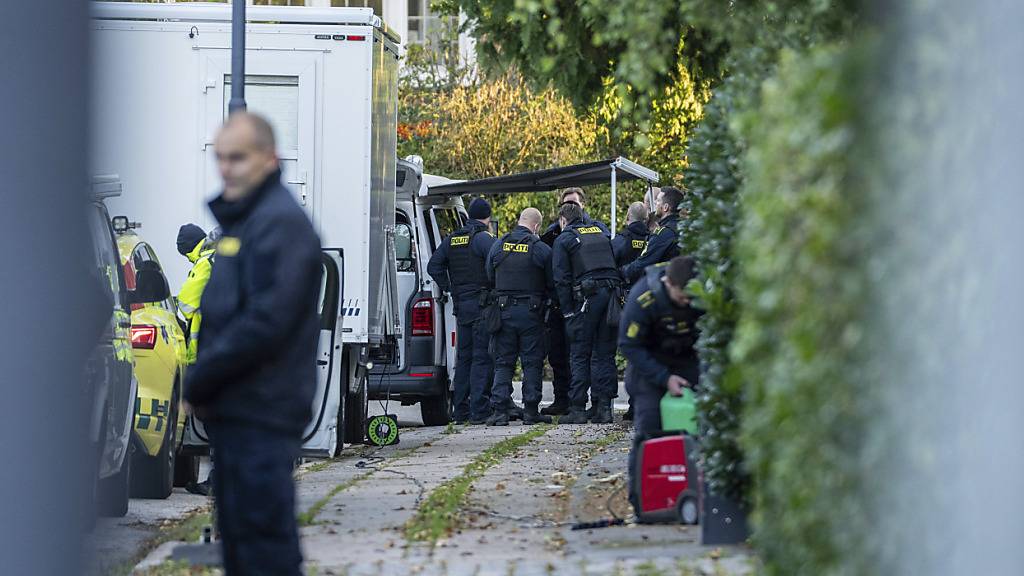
[(321, 435), (444, 221)]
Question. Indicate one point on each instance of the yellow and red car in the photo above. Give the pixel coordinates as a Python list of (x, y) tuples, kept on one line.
[(158, 344)]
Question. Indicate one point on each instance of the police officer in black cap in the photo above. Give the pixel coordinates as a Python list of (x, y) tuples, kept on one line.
[(663, 242), (558, 347), (520, 265), (657, 334), (586, 279), (458, 268)]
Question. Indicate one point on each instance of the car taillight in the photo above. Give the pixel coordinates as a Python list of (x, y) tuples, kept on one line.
[(143, 337), (423, 317)]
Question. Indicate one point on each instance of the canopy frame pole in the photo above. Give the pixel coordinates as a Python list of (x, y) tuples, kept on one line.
[(237, 102), (614, 204)]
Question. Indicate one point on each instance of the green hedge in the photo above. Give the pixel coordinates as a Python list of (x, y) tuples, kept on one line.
[(803, 290)]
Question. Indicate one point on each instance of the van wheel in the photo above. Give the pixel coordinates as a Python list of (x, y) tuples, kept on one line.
[(112, 493), (355, 415), (437, 410)]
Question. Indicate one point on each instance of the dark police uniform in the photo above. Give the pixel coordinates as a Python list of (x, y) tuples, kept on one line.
[(458, 267), (558, 348), (658, 338), (520, 266), (255, 373), (586, 278), (662, 246), (630, 243)]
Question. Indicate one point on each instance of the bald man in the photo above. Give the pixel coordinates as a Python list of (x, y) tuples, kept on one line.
[(255, 371), (519, 264)]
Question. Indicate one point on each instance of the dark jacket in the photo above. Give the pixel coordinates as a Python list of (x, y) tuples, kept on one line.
[(555, 229), (562, 267), (662, 246), (629, 243), (656, 335), (540, 255), (437, 267), (257, 358)]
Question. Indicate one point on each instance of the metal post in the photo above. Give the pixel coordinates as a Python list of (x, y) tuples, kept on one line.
[(614, 205), (237, 102)]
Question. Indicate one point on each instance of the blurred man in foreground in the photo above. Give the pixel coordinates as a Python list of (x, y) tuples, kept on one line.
[(254, 377)]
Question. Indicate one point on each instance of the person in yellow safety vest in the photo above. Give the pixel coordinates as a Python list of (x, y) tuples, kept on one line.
[(193, 244)]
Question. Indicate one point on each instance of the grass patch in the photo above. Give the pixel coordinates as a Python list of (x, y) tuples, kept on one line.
[(607, 440), (308, 518), (438, 514), (188, 529)]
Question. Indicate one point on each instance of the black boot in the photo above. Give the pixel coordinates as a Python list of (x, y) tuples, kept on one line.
[(575, 416), (515, 412), (498, 418), (628, 416), (602, 412), (557, 408), (531, 416)]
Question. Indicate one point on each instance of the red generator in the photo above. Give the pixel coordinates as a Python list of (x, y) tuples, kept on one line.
[(667, 479)]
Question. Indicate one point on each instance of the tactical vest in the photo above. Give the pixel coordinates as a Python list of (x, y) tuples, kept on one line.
[(464, 266), (675, 329), (593, 256), (635, 245), (514, 270)]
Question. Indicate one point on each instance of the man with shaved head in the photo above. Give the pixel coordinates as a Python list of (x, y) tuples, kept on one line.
[(255, 371), (519, 264)]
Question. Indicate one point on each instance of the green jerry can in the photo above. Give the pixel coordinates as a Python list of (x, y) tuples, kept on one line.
[(679, 412)]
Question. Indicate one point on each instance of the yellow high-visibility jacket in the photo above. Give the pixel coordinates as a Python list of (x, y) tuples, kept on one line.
[(192, 293)]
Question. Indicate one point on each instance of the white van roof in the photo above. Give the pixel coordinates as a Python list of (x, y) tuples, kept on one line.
[(217, 12)]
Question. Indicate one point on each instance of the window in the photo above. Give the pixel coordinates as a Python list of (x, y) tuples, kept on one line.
[(377, 5), (426, 25), (447, 221), (277, 99), (404, 245), (107, 261), (279, 2)]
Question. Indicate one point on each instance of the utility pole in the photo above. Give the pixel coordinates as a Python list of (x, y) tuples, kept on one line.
[(237, 102)]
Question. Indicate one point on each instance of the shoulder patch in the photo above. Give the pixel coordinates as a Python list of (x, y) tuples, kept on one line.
[(645, 299), (639, 244), (228, 246), (632, 330)]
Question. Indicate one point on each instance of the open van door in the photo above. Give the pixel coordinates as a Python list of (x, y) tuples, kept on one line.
[(321, 437), (444, 221)]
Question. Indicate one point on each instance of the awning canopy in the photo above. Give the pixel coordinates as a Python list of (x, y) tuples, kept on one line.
[(611, 171)]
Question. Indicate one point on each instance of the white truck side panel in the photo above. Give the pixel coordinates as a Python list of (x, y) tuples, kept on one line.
[(155, 106)]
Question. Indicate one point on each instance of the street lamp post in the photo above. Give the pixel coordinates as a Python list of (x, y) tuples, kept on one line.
[(237, 102)]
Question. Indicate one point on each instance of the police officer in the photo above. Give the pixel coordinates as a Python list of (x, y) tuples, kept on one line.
[(194, 245), (458, 268), (520, 265), (586, 279), (657, 334), (255, 373), (558, 348), (632, 240), (663, 242)]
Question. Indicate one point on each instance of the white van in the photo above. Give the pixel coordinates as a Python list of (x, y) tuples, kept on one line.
[(326, 79)]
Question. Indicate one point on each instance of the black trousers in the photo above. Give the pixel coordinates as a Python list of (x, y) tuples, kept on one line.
[(558, 356), (592, 356), (255, 496), (521, 336)]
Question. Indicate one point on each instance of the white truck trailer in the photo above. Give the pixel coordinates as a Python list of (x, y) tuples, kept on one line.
[(326, 79)]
